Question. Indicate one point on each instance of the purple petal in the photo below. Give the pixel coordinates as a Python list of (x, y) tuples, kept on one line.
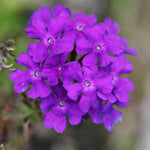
[(39, 89), (74, 120), (83, 46), (90, 59), (104, 84), (59, 91), (56, 26), (59, 10), (114, 44), (131, 51), (38, 26), (60, 124), (111, 98), (55, 51), (110, 119), (94, 33), (124, 41), (85, 103), (95, 115), (89, 91), (39, 51), (121, 66), (47, 103), (21, 87), (127, 84), (122, 95), (90, 72), (101, 95), (44, 13), (127, 50), (49, 120), (65, 44), (112, 27), (73, 90), (20, 76), (66, 13), (122, 104), (70, 72), (33, 33), (90, 19), (56, 60), (78, 16), (123, 86), (63, 58), (95, 101), (106, 59), (51, 75), (75, 114), (26, 61)]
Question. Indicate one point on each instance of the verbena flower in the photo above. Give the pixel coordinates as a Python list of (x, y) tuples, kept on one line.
[(121, 85), (57, 108), (52, 40), (55, 68), (32, 76), (89, 83), (106, 114), (81, 22), (50, 33), (99, 46)]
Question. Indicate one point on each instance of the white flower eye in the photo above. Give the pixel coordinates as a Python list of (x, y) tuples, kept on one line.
[(50, 40), (37, 73), (60, 68), (79, 27), (62, 103), (98, 47), (87, 83)]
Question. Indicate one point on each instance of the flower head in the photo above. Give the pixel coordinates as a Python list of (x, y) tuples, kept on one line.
[(76, 68)]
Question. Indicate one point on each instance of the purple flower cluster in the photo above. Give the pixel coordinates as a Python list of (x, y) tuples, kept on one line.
[(75, 68)]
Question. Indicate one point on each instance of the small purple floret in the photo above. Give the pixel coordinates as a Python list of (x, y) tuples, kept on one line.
[(57, 107), (32, 76)]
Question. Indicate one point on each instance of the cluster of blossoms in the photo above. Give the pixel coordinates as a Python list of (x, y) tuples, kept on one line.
[(75, 68)]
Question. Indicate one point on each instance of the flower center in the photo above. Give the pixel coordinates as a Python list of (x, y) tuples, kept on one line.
[(98, 47), (50, 40), (79, 27), (59, 68), (62, 103), (87, 83), (37, 73)]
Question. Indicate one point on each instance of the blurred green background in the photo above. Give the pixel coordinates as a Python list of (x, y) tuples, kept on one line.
[(134, 131)]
